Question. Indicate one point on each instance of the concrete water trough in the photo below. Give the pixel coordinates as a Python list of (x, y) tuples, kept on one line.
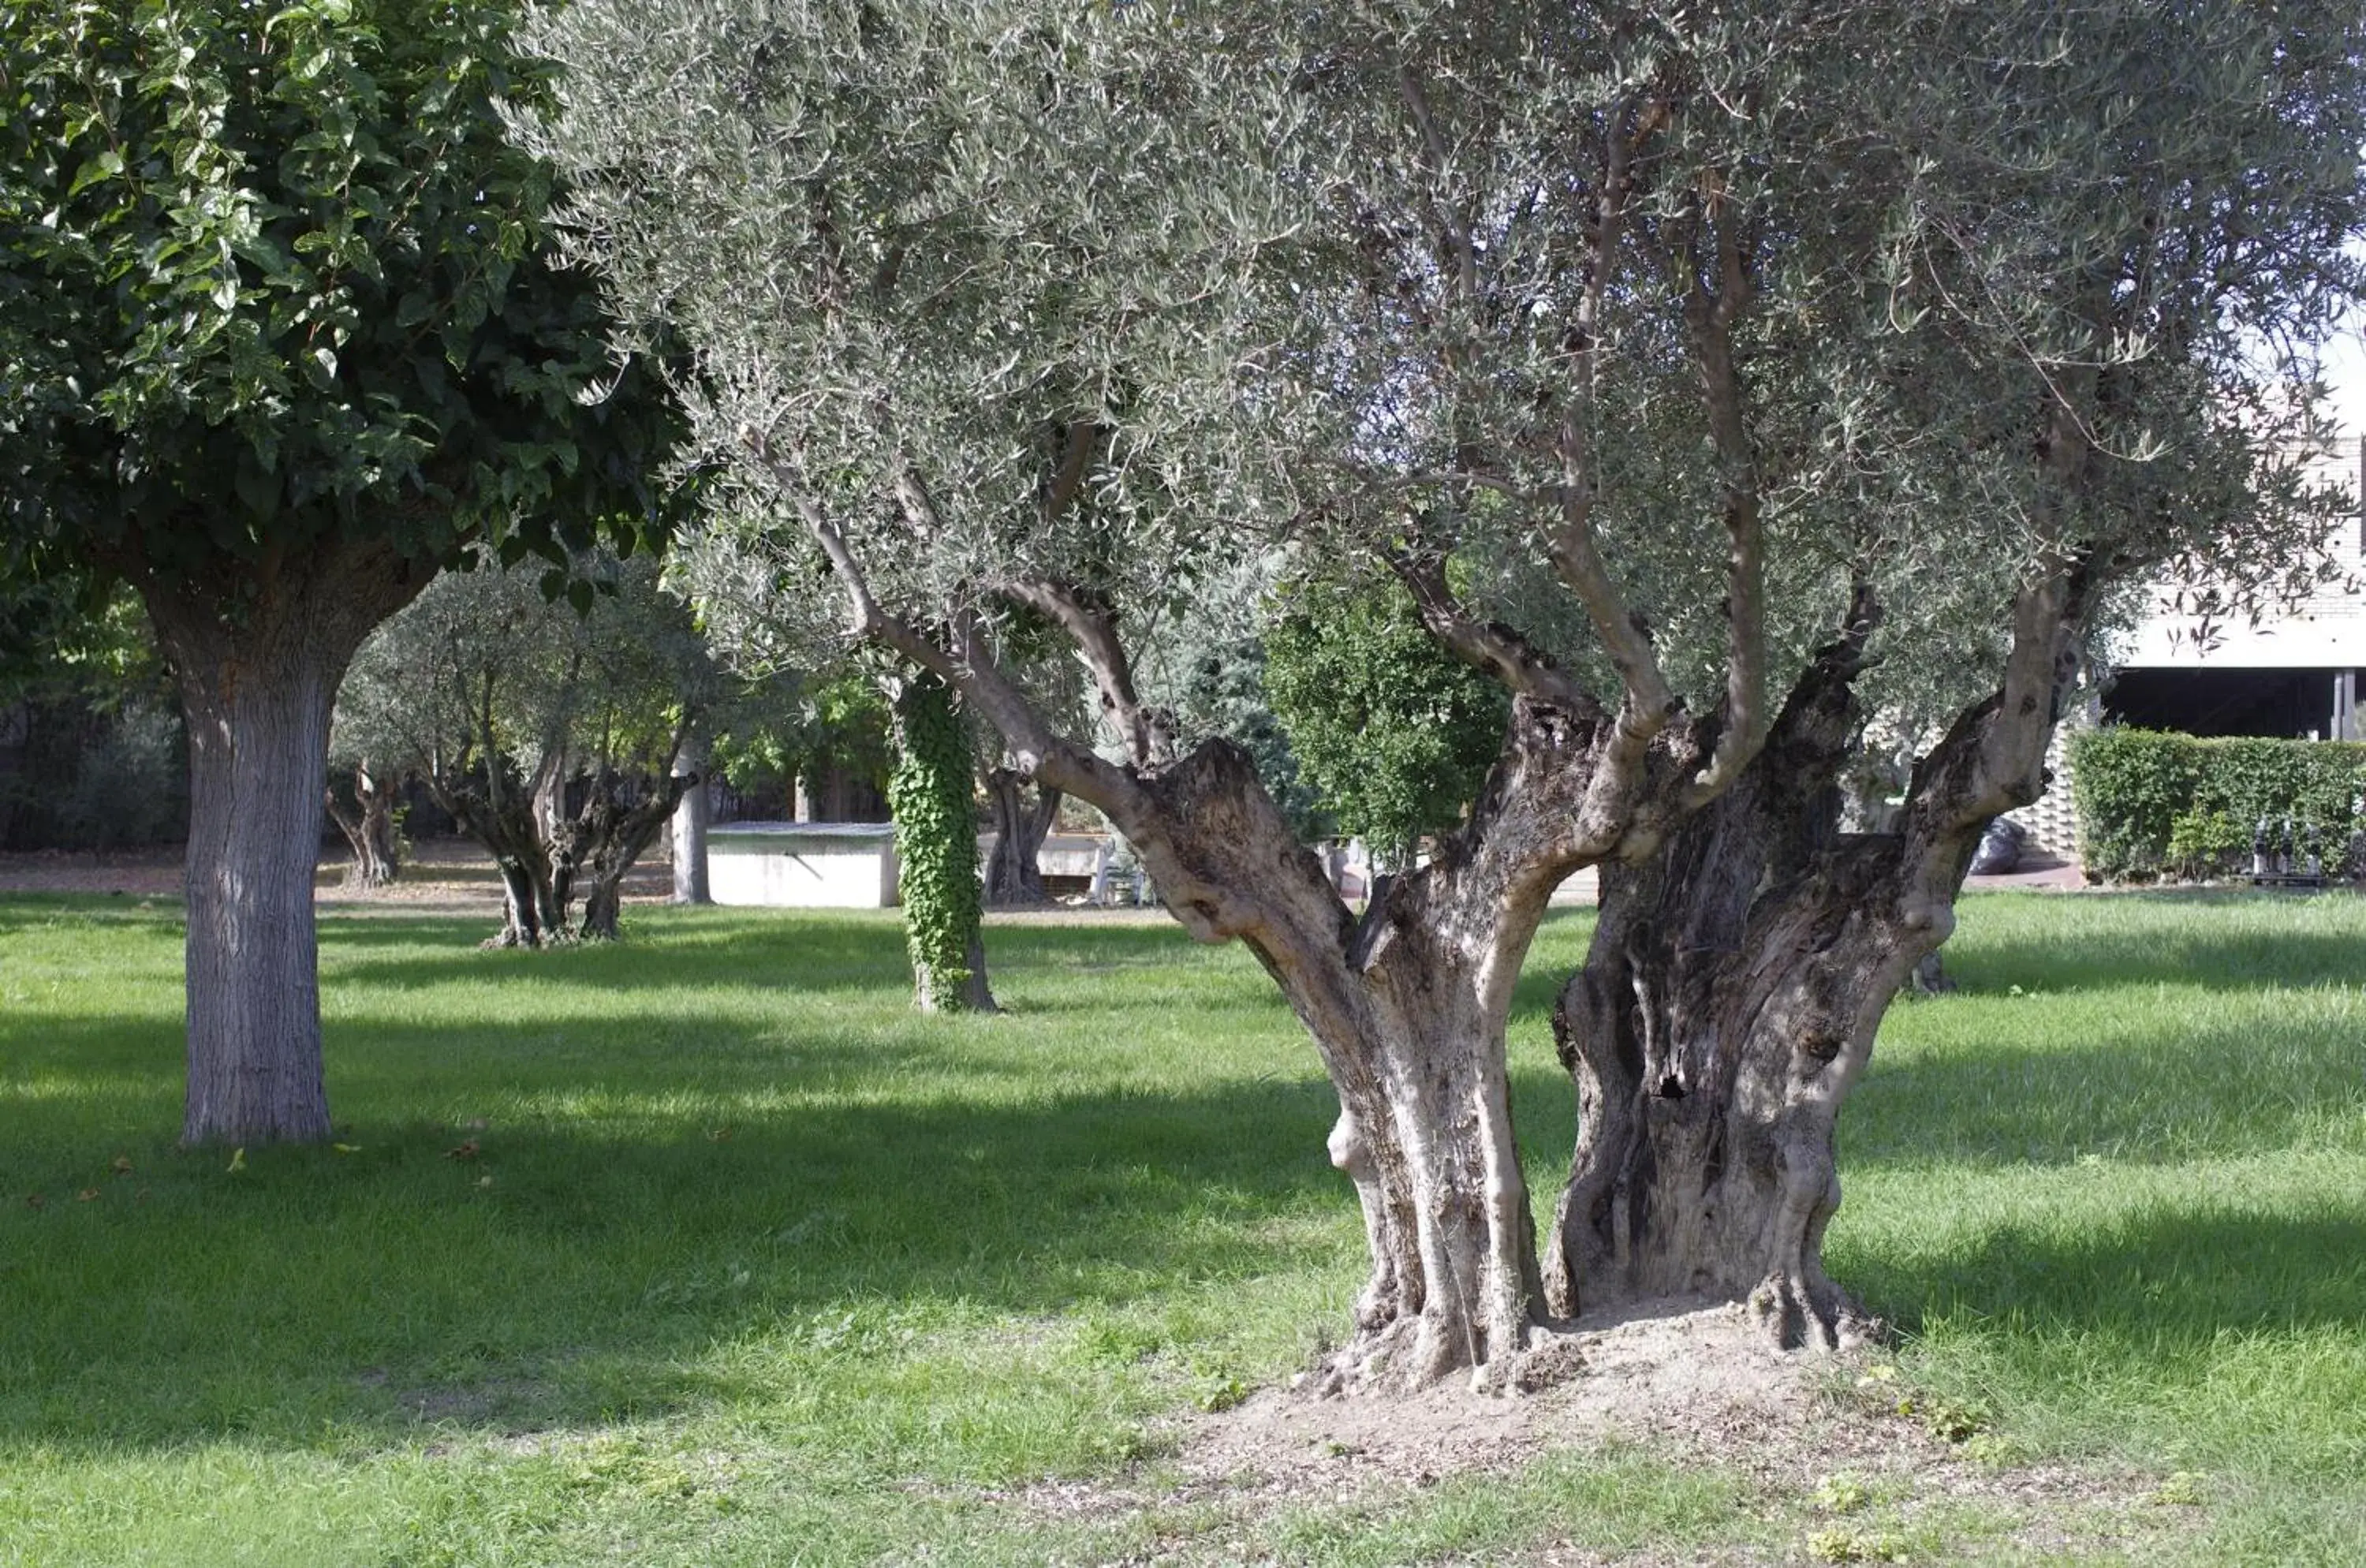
[(803, 865)]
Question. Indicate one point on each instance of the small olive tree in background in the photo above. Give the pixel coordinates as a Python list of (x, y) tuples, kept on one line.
[(549, 734)]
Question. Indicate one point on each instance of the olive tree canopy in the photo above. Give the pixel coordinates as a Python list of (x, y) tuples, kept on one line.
[(1660, 354)]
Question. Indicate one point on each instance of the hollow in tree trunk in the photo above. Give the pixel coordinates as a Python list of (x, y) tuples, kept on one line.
[(257, 690)]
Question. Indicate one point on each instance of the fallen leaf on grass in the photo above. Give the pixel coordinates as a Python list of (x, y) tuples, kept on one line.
[(346, 1148), (35, 1201), (466, 1151), (86, 1195), (238, 1159), (121, 1164)]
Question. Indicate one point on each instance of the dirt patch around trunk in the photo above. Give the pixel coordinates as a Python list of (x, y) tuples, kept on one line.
[(1840, 1460)]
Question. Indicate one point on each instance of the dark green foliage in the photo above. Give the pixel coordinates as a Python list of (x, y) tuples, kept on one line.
[(1392, 733), (793, 726), (271, 277), (91, 750), (936, 839), (2151, 802)]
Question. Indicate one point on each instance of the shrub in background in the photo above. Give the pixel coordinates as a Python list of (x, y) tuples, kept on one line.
[(2153, 803)]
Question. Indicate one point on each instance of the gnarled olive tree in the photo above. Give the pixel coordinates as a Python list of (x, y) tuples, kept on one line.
[(1578, 321), (2152, 218)]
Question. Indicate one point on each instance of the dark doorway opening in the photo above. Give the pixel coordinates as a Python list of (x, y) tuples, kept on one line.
[(2288, 703)]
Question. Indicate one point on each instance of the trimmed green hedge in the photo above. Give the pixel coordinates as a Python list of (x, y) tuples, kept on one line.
[(2153, 803)]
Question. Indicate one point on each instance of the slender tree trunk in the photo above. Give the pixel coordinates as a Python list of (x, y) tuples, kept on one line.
[(257, 692), (1730, 1003), (554, 828), (690, 822)]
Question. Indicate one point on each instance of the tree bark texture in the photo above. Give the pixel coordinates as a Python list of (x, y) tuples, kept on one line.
[(259, 665), (1407, 1005), (1729, 1002), (1013, 875)]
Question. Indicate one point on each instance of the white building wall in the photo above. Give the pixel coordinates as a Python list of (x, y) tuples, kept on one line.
[(2327, 630)]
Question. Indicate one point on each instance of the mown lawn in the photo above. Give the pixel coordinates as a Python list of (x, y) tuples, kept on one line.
[(742, 1262)]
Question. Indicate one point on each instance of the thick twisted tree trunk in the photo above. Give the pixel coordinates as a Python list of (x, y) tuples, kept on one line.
[(622, 817), (487, 805), (1407, 1005), (257, 690), (368, 828), (1013, 875), (1729, 1002)]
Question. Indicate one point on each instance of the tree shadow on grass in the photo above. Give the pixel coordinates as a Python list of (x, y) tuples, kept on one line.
[(2172, 1281), (189, 1300), (536, 1225)]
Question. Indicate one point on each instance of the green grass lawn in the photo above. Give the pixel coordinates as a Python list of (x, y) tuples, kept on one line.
[(749, 1264)]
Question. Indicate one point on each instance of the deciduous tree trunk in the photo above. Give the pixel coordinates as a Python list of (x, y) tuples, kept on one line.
[(690, 823), (257, 687)]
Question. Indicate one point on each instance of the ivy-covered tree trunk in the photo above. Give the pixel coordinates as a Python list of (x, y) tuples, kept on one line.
[(1729, 1004), (257, 693), (1014, 875), (936, 842)]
